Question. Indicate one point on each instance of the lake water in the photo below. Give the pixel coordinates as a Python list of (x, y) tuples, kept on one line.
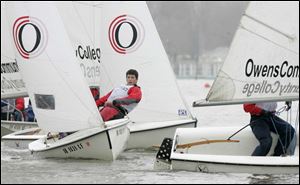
[(135, 166)]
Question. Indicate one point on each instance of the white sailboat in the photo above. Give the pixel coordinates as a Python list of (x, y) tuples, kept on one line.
[(132, 41), (122, 35), (262, 65), (12, 85), (59, 92)]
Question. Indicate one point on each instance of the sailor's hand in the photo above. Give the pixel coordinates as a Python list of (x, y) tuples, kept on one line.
[(108, 104), (288, 105)]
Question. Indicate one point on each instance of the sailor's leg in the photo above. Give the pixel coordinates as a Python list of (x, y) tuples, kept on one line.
[(108, 113), (261, 131), (286, 135)]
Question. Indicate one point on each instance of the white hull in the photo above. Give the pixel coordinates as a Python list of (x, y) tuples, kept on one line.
[(238, 164), (8, 127), (147, 135), (142, 136), (94, 143), (22, 138), (226, 157)]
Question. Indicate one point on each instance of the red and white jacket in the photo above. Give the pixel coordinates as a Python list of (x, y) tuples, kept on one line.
[(256, 109), (125, 96)]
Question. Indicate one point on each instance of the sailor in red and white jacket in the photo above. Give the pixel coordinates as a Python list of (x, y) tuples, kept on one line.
[(121, 100), (260, 108)]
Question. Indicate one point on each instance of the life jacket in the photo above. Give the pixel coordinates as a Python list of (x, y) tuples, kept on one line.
[(270, 106), (126, 96)]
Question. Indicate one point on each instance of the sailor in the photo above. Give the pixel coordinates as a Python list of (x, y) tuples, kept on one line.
[(95, 93), (28, 113), (11, 109), (121, 100), (263, 122)]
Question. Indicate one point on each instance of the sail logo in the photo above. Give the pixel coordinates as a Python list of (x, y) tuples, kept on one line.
[(126, 34), (88, 53), (30, 36)]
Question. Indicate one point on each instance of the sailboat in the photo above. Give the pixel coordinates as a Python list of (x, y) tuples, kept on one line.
[(132, 41), (262, 65), (60, 95), (122, 36), (12, 85)]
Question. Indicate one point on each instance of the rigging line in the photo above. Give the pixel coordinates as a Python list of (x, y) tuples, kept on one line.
[(297, 120), (270, 27), (279, 139), (246, 29)]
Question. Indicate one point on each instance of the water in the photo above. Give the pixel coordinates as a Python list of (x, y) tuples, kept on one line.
[(134, 166)]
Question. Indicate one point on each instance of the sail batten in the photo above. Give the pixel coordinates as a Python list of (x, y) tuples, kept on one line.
[(269, 26)]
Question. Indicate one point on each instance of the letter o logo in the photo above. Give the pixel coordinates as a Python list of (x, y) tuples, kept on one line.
[(129, 28), (30, 36)]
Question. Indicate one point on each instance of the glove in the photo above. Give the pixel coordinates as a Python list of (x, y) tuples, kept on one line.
[(288, 105), (116, 103)]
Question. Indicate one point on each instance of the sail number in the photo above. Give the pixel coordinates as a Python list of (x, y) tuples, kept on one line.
[(120, 131), (72, 148), (182, 112)]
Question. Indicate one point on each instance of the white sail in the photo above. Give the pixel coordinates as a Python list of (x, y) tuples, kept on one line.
[(12, 85), (61, 98), (263, 61), (130, 41), (85, 39)]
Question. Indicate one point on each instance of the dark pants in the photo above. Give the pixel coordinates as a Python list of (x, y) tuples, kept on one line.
[(262, 126)]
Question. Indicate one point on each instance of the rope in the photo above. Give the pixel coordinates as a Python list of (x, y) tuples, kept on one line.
[(277, 113), (283, 147)]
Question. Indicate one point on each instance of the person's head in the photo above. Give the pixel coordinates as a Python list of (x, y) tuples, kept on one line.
[(132, 77)]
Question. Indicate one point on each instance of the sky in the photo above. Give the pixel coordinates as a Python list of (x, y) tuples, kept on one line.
[(195, 27)]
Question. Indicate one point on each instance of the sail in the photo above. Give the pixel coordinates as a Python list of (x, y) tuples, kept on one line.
[(263, 61), (130, 41), (59, 92), (12, 85), (81, 23)]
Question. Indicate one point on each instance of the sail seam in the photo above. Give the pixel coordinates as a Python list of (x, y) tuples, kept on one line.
[(270, 27), (250, 31)]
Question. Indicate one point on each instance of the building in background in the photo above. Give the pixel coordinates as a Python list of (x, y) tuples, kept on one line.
[(205, 66)]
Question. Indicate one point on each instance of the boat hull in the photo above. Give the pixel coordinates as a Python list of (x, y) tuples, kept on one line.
[(8, 127), (22, 138), (208, 150), (269, 165), (95, 143), (149, 135)]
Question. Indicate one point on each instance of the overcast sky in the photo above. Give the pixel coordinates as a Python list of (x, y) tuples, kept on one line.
[(193, 27)]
